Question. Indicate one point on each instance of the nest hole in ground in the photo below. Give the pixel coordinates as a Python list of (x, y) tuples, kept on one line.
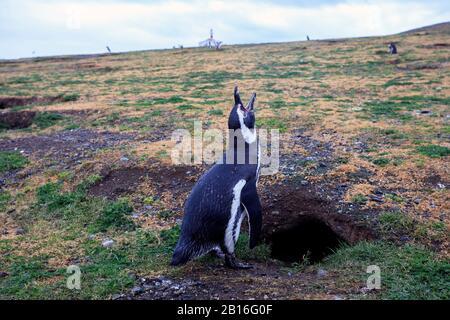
[(307, 238), (304, 223)]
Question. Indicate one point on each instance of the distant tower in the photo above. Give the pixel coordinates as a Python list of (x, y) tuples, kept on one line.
[(211, 42), (307, 38), (107, 48)]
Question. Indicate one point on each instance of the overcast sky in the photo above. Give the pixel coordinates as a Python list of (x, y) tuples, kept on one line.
[(53, 27)]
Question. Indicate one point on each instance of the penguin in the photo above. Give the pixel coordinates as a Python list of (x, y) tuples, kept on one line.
[(223, 196), (392, 48)]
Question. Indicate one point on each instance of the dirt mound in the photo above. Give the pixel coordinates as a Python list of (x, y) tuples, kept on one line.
[(118, 182), (10, 102), (176, 179), (16, 120)]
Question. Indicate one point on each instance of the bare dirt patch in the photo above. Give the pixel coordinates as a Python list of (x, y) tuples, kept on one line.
[(118, 182), (16, 120), (10, 102)]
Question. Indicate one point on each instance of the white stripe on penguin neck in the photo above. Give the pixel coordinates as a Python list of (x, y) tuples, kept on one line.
[(248, 134), (229, 240)]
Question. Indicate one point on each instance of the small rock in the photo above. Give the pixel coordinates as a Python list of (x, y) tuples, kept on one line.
[(404, 238), (304, 182), (108, 243), (266, 297), (124, 159), (417, 200), (441, 186), (116, 296), (3, 274), (20, 231), (136, 290), (321, 273), (91, 237)]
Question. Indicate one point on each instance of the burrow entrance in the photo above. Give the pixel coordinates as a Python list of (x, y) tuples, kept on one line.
[(299, 225), (308, 238)]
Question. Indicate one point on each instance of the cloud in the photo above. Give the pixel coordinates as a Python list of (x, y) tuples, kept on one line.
[(69, 27)]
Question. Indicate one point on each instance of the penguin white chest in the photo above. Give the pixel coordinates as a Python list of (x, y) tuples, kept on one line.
[(234, 224)]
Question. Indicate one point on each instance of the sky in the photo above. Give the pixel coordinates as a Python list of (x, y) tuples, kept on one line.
[(58, 27)]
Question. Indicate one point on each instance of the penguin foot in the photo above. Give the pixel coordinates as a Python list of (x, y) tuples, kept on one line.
[(231, 262), (216, 252)]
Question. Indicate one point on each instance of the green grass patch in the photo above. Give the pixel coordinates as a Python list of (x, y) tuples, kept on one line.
[(12, 160), (407, 272), (5, 197), (382, 162), (271, 123), (185, 107), (359, 199), (434, 151), (114, 215), (215, 112), (46, 119)]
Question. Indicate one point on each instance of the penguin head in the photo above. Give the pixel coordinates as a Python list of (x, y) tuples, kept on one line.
[(242, 115)]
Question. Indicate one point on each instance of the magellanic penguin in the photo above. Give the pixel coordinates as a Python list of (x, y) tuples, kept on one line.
[(214, 210)]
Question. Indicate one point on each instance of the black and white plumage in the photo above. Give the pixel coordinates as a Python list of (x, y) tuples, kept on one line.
[(223, 196), (392, 48)]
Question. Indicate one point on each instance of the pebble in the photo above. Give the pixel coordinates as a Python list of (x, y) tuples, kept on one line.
[(20, 231), (322, 273), (108, 243), (136, 290), (124, 159)]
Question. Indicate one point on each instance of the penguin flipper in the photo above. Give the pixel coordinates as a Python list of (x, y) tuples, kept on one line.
[(250, 200)]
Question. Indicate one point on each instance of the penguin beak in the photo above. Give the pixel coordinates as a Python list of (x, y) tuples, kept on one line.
[(251, 103), (237, 97)]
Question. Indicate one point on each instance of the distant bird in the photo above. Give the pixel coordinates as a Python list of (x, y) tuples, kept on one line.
[(307, 38), (109, 50), (392, 48)]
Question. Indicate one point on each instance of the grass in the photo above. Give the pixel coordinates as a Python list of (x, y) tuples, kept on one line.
[(382, 162), (5, 197), (434, 151), (407, 272), (215, 112), (46, 119), (107, 272), (114, 215), (12, 160), (359, 199), (271, 123)]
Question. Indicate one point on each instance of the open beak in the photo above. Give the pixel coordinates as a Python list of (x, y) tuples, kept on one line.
[(251, 103)]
